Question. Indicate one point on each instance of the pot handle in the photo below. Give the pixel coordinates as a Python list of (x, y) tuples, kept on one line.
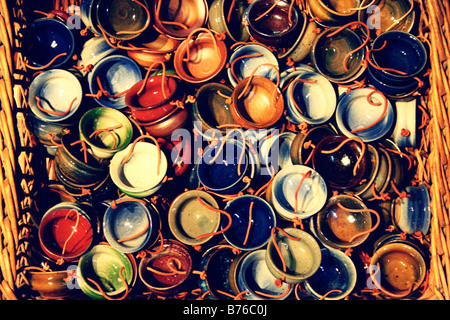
[(188, 39), (253, 74)]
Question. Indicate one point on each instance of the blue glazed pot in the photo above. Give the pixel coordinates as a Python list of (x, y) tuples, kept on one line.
[(221, 175), (45, 39), (117, 74), (263, 220), (402, 52), (128, 219), (336, 272)]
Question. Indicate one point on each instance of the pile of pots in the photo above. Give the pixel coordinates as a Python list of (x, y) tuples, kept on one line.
[(227, 149)]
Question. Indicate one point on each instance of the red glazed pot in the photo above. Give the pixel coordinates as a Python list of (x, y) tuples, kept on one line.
[(151, 104), (164, 126), (59, 231)]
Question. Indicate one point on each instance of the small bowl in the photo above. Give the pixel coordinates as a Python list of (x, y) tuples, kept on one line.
[(388, 12), (106, 144), (58, 224), (166, 125), (216, 263), (221, 175), (128, 219), (242, 66), (151, 104), (302, 256), (70, 161), (211, 109), (254, 276), (161, 284), (260, 107), (336, 272), (201, 59), (278, 28), (311, 196), (332, 13), (337, 168), (327, 55), (262, 221), (138, 176), (51, 284), (57, 89), (236, 30), (317, 101), (402, 269), (354, 112), (117, 74), (300, 153), (189, 219), (335, 227), (44, 39), (116, 16), (192, 14), (102, 264), (402, 52), (412, 214)]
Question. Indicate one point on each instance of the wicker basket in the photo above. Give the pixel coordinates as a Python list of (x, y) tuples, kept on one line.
[(23, 170)]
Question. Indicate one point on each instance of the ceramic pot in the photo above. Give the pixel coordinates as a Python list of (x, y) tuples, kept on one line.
[(50, 284), (188, 218), (313, 101), (336, 272), (122, 19), (106, 143), (277, 27), (328, 53), (338, 227), (387, 14), (117, 74), (340, 169), (57, 237), (310, 198), (172, 255), (45, 39), (333, 12), (103, 264), (254, 276), (263, 219), (133, 177), (246, 58), (260, 106), (128, 218), (357, 117), (201, 59), (216, 263), (59, 94), (397, 269), (302, 257)]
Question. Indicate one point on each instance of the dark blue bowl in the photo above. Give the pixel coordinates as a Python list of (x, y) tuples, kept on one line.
[(45, 39), (263, 220), (393, 91), (221, 175), (336, 272), (403, 52)]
